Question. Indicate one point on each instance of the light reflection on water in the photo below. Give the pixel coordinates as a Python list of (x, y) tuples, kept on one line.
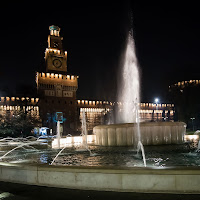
[(108, 156)]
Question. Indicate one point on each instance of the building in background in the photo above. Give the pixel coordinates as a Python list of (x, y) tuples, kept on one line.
[(56, 92), (186, 95)]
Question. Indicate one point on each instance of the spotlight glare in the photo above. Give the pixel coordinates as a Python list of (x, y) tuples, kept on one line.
[(156, 100)]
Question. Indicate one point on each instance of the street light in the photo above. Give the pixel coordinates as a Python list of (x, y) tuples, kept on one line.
[(156, 100), (192, 118)]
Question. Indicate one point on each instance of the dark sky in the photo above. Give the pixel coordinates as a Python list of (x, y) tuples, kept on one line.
[(166, 37)]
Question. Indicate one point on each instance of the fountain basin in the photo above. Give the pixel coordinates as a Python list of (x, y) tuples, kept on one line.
[(170, 180), (152, 133)]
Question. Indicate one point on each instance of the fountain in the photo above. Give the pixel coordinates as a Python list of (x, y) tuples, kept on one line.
[(129, 131), (114, 166)]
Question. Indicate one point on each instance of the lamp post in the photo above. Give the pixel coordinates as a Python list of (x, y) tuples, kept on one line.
[(192, 118)]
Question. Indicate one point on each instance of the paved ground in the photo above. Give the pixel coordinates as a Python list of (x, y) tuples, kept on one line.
[(11, 191)]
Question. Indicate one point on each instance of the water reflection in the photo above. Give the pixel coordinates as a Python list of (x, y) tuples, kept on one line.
[(158, 157)]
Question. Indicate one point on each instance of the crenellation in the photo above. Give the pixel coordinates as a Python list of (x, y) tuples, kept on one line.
[(17, 100), (182, 84), (49, 76)]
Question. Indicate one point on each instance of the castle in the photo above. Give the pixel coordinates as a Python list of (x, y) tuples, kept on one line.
[(56, 92)]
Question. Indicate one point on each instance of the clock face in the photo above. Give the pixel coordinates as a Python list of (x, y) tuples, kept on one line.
[(55, 44), (57, 63)]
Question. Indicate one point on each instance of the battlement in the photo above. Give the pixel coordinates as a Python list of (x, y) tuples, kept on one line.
[(153, 106), (55, 51), (18, 99), (182, 84), (47, 78), (93, 103), (57, 76)]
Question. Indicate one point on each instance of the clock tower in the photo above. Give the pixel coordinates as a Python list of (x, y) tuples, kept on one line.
[(56, 88), (55, 57)]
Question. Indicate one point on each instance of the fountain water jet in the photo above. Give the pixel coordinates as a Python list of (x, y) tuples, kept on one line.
[(129, 90), (58, 133), (84, 130), (141, 147), (20, 146), (58, 154), (85, 133), (129, 93)]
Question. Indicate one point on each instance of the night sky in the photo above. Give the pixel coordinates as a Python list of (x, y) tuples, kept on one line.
[(167, 38)]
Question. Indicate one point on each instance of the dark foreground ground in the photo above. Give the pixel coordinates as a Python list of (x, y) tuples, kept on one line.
[(11, 191)]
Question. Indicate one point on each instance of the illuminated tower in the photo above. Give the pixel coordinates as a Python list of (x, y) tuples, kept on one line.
[(55, 57), (56, 88)]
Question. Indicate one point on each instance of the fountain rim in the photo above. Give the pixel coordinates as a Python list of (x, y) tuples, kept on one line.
[(142, 124), (167, 180), (136, 170)]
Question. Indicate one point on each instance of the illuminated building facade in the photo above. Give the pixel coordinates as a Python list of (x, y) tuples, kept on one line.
[(57, 93), (101, 112), (12, 106)]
